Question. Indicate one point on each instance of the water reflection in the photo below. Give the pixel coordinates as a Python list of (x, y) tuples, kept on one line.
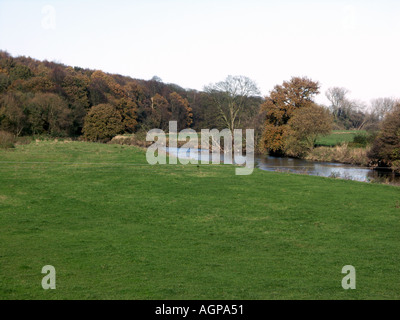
[(323, 169)]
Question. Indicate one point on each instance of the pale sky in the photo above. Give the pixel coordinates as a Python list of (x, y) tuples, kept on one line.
[(351, 44)]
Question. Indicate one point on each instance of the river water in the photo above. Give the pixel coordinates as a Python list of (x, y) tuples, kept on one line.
[(325, 169), (322, 169)]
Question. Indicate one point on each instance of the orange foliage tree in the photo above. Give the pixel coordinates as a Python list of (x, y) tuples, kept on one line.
[(280, 106), (181, 111)]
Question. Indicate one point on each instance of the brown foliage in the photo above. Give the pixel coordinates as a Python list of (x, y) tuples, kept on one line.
[(386, 147), (127, 109), (49, 113), (7, 140), (280, 106), (180, 111), (305, 126), (102, 123)]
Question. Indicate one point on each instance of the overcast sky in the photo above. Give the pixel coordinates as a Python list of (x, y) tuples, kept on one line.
[(352, 44)]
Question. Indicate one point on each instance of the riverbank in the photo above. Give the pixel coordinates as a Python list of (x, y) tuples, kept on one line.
[(340, 154)]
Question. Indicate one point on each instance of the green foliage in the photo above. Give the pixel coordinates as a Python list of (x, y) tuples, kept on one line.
[(102, 123), (338, 137), (360, 141)]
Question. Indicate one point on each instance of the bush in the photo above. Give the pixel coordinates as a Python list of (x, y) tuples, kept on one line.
[(359, 141), (385, 151), (102, 123), (7, 140)]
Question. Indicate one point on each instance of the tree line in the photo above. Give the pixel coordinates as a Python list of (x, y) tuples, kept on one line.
[(48, 98)]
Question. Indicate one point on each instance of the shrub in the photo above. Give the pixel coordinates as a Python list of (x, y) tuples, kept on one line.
[(360, 141), (385, 151), (102, 123), (7, 140)]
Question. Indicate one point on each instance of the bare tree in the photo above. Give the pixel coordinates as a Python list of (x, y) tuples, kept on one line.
[(340, 105), (383, 106), (231, 97)]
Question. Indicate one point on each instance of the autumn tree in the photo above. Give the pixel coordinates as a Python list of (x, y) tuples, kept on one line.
[(128, 111), (49, 113), (205, 113), (304, 127), (4, 82), (20, 72), (13, 113), (34, 84), (385, 151), (280, 106), (180, 111), (158, 114), (98, 89), (102, 123), (230, 97)]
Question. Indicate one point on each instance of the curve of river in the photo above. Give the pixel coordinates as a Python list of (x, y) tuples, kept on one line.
[(323, 169)]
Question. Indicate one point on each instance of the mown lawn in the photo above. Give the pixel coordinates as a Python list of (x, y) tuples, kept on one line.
[(117, 228), (338, 137)]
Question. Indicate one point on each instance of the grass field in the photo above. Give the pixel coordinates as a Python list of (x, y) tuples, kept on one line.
[(339, 136), (117, 228)]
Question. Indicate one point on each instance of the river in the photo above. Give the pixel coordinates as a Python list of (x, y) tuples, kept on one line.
[(322, 169)]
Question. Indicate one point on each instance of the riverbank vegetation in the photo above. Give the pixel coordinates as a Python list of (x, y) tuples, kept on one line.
[(42, 98), (117, 228)]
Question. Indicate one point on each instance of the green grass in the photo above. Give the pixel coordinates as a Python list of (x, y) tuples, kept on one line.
[(117, 228), (338, 137)]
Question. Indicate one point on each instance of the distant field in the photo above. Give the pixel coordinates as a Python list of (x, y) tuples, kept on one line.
[(339, 136), (116, 228)]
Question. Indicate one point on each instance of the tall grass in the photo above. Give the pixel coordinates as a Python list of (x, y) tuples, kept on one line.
[(340, 153), (7, 140)]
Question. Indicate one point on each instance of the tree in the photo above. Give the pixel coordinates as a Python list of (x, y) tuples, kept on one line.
[(4, 82), (49, 113), (305, 126), (76, 88), (159, 113), (13, 113), (340, 107), (280, 106), (348, 114), (180, 111), (128, 111), (102, 123), (383, 106), (20, 72), (205, 113), (231, 98), (35, 84), (385, 151)]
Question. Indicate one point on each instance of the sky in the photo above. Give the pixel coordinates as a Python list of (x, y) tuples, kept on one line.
[(352, 44)]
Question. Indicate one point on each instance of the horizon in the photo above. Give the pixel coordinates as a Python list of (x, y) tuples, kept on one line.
[(339, 44)]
